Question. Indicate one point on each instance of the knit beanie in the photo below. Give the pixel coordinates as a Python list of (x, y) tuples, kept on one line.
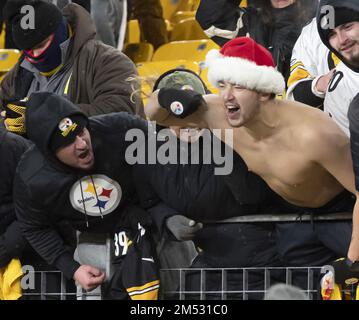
[(341, 16), (66, 131), (19, 14)]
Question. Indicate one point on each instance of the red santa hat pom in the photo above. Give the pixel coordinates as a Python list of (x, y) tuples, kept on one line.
[(244, 62)]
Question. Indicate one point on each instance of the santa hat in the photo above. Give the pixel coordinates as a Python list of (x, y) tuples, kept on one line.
[(244, 62)]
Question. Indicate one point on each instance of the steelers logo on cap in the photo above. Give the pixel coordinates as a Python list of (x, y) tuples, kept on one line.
[(176, 107), (65, 124)]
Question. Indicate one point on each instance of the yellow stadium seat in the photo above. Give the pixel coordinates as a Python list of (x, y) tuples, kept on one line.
[(8, 58), (182, 15), (2, 37), (243, 4), (188, 29), (170, 7), (150, 71), (168, 25), (188, 5), (133, 32), (195, 4), (139, 52), (193, 50)]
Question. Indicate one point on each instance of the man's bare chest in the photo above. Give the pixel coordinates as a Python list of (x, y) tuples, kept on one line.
[(289, 172)]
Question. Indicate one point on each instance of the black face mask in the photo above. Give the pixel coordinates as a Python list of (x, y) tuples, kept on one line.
[(51, 57)]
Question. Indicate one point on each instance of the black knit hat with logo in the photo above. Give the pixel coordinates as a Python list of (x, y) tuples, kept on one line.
[(32, 21), (66, 131)]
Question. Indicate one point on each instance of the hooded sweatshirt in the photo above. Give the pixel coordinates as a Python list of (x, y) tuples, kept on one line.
[(46, 191), (349, 4), (343, 86)]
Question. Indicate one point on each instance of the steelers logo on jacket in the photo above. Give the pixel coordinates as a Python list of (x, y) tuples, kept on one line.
[(95, 195)]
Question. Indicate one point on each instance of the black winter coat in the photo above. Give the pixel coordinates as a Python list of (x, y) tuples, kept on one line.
[(11, 240), (48, 192), (278, 35)]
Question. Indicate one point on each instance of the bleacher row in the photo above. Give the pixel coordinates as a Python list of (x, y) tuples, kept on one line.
[(187, 48)]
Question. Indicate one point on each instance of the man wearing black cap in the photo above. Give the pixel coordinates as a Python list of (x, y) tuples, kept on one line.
[(60, 55), (72, 174), (338, 28)]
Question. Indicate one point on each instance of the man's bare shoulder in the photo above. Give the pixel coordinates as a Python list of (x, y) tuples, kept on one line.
[(320, 131), (313, 128)]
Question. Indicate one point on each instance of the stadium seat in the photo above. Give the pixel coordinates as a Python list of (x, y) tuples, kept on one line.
[(139, 52), (182, 15), (133, 32), (150, 71), (188, 5), (187, 29), (2, 37), (170, 7), (192, 50), (243, 4), (8, 58)]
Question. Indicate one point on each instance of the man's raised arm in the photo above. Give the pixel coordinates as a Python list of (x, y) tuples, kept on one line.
[(184, 108)]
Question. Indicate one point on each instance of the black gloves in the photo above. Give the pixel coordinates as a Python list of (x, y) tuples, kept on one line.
[(15, 117), (183, 228), (180, 103)]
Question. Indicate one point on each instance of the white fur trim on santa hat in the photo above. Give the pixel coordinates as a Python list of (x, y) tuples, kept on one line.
[(244, 73)]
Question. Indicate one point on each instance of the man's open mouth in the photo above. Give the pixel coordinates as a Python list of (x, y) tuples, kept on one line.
[(232, 109), (84, 154)]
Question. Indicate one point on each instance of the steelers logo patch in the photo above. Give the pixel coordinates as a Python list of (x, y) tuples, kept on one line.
[(95, 195), (177, 108), (65, 124)]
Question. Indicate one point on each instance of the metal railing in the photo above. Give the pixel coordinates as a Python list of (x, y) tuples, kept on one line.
[(239, 283)]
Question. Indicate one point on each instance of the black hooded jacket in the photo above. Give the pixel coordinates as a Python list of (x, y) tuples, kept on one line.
[(47, 192), (277, 35), (12, 242), (195, 191), (324, 34)]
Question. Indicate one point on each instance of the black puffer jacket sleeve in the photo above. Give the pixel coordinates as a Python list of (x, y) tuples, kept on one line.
[(12, 242), (221, 20), (40, 231)]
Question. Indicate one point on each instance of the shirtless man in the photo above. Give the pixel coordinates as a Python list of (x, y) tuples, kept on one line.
[(299, 151)]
